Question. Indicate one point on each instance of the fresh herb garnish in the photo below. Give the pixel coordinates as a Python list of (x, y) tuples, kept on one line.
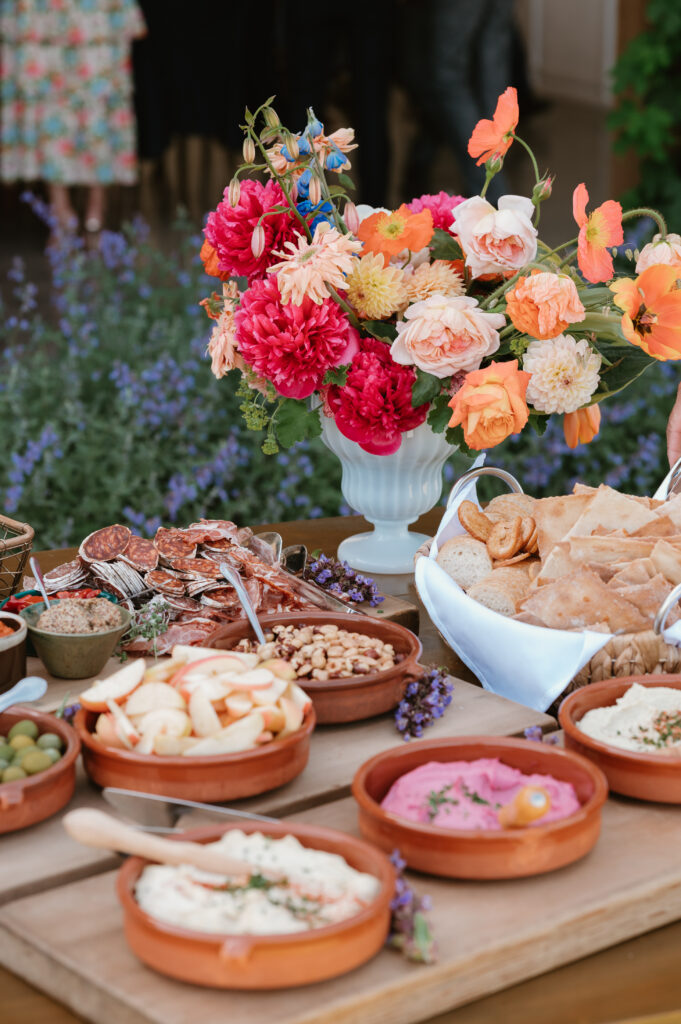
[(437, 799), (474, 797), (149, 622)]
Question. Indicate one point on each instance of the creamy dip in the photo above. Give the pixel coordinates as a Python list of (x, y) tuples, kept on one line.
[(646, 719), (470, 794), (313, 889)]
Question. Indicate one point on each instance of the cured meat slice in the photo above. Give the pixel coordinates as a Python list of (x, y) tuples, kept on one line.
[(141, 554), (172, 544), (198, 567), (214, 529), (194, 632), (183, 604), (118, 574), (218, 546), (106, 544), (165, 583), (220, 597), (255, 590), (65, 577), (110, 587)]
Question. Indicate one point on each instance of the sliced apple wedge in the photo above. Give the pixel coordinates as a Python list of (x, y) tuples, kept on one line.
[(238, 704), (293, 716), (298, 696), (242, 735), (193, 654), (153, 697), (127, 732), (204, 717), (170, 721), (255, 679), (162, 670), (116, 687), (214, 665), (174, 746), (274, 717), (106, 732), (265, 737), (271, 693), (281, 668), (213, 687)]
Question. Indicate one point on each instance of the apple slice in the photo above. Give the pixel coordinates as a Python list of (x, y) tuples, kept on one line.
[(281, 668), (293, 717), (170, 721), (116, 687), (207, 746), (255, 679), (214, 665), (272, 693), (106, 732), (193, 654), (127, 732), (274, 717), (203, 715), (162, 670), (238, 705), (153, 696), (242, 735), (299, 697), (173, 746), (265, 737), (214, 687)]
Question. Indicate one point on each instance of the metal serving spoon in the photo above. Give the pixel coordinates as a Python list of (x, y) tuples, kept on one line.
[(232, 576), (26, 690), (39, 580)]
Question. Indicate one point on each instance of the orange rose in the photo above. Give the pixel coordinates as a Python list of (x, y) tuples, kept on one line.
[(544, 304), (491, 404), (209, 258), (581, 427)]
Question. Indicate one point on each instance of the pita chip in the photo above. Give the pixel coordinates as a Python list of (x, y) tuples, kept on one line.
[(609, 549), (633, 573), (671, 510), (555, 517), (661, 526), (609, 510), (559, 563), (581, 600), (667, 560), (648, 597)]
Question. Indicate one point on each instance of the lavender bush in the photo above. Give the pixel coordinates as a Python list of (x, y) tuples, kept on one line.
[(109, 411)]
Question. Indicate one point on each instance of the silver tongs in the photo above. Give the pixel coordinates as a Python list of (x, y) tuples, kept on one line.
[(291, 562)]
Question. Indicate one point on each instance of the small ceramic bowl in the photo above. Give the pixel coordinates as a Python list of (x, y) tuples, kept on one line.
[(73, 655), (12, 651), (264, 961), (655, 777), (352, 698), (212, 778), (27, 801), (459, 853)]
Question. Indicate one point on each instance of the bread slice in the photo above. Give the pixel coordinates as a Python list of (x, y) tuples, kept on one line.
[(465, 559), (503, 590)]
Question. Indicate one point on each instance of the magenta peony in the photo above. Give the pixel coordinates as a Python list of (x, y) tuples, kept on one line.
[(292, 346), (229, 229), (374, 406), (440, 205)]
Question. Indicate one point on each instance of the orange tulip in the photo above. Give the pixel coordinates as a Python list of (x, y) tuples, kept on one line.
[(390, 233), (490, 406), (597, 231), (493, 138), (581, 427), (652, 310)]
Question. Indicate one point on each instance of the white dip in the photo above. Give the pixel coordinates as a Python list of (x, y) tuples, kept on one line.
[(646, 719), (314, 889)]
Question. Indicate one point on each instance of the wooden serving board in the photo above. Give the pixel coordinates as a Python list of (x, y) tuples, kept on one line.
[(43, 856), (69, 941)]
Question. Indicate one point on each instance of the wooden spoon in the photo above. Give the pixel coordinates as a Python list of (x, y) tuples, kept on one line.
[(95, 828)]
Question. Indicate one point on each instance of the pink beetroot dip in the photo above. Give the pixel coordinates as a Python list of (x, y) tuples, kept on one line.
[(469, 794)]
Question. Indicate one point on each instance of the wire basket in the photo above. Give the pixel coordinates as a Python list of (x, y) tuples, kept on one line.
[(16, 540)]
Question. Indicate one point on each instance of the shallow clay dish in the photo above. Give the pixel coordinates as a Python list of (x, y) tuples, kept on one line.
[(12, 651), (352, 698), (27, 801), (264, 961), (644, 776), (459, 853), (73, 655), (214, 778)]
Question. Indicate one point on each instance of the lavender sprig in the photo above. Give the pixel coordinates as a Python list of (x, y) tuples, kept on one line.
[(409, 928), (341, 580), (534, 733), (424, 701)]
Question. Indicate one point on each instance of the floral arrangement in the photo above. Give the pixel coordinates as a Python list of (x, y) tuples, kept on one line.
[(446, 310)]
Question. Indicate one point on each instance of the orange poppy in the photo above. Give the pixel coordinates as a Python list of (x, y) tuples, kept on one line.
[(597, 231), (209, 258), (494, 138), (652, 310), (581, 427), (390, 233)]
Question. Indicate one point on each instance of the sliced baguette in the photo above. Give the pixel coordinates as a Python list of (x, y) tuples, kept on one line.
[(466, 560), (503, 590)]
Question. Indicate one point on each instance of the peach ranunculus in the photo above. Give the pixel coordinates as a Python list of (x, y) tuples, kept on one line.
[(491, 404), (581, 426), (544, 304), (445, 335), (660, 250), (495, 241)]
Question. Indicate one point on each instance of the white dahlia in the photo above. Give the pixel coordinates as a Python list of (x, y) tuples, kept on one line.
[(564, 373)]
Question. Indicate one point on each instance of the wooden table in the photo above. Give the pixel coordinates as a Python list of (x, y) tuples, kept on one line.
[(634, 978)]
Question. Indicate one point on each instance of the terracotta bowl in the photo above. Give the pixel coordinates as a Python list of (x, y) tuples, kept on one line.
[(214, 778), (357, 697), (459, 853), (645, 776), (264, 961), (27, 801), (12, 651)]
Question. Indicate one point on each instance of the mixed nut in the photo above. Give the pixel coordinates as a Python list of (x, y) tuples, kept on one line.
[(324, 652)]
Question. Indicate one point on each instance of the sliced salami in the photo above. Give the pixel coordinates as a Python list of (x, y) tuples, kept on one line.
[(218, 546), (110, 587), (141, 554), (220, 597), (106, 544), (198, 567), (172, 544), (165, 583), (65, 577), (183, 604)]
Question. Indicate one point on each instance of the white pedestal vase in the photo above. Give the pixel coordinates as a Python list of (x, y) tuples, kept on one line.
[(390, 491)]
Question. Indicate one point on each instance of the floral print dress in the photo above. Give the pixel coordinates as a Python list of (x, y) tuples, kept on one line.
[(66, 112)]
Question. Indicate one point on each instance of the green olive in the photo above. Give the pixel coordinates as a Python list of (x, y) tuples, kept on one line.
[(53, 754), (24, 728), (21, 740), (6, 752), (49, 739), (13, 773), (20, 754), (36, 761), (3, 764)]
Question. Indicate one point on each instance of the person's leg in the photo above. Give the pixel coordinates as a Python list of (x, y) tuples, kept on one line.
[(60, 201), (96, 204)]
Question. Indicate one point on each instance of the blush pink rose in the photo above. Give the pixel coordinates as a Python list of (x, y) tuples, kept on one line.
[(445, 335), (660, 250), (496, 241)]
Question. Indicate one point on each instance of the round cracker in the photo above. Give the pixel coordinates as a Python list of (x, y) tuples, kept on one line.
[(474, 520), (499, 562), (505, 539)]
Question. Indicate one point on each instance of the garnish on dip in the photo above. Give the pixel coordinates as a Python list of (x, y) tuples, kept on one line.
[(645, 719)]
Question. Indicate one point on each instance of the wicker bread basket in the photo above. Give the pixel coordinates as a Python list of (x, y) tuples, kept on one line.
[(629, 654), (16, 540)]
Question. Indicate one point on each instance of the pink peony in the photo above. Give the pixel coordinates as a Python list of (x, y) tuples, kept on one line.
[(374, 406), (230, 229), (292, 346), (441, 206)]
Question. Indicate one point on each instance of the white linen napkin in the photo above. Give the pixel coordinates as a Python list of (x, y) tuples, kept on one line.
[(528, 664)]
